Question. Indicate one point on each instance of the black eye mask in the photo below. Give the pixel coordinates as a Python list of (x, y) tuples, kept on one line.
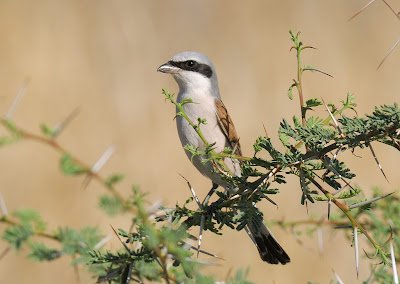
[(194, 66)]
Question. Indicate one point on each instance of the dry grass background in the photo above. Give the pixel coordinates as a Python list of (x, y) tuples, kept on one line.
[(102, 56)]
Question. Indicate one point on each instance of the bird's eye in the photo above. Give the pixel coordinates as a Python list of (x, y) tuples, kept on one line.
[(191, 63)]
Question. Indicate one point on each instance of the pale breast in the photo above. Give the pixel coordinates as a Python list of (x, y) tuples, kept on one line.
[(204, 107)]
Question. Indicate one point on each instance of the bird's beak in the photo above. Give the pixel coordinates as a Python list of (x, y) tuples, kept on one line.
[(168, 68)]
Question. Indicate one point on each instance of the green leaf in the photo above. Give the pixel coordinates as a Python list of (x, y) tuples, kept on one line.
[(31, 218), (313, 103), (149, 270), (203, 279), (296, 121), (194, 151), (114, 179), (47, 131), (111, 205), (201, 121), (17, 235), (295, 39), (333, 108), (15, 135), (30, 223), (240, 277), (6, 140), (284, 139), (70, 167), (78, 242), (40, 252), (290, 91), (186, 101), (168, 96), (317, 197), (350, 102), (313, 121), (11, 126)]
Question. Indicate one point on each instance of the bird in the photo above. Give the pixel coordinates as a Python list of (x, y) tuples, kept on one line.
[(197, 80)]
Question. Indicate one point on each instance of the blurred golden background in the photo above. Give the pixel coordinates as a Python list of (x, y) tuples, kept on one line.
[(102, 56)]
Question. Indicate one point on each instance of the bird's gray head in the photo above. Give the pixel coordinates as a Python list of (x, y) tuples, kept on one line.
[(193, 71)]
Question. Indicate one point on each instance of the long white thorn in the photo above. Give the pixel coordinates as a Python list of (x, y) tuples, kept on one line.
[(329, 208), (102, 242), (341, 189), (391, 9), (154, 208), (320, 238), (352, 206), (337, 152), (63, 124), (189, 246), (394, 267), (3, 207), (234, 197), (388, 53), (202, 220), (362, 9), (264, 179), (192, 192), (4, 252), (377, 161), (119, 238), (337, 277), (332, 117), (98, 165), (103, 159), (355, 233), (17, 99)]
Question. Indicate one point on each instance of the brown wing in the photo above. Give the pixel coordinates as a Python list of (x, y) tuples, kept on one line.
[(226, 124)]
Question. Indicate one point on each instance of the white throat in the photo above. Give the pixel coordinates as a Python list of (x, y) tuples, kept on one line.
[(192, 84)]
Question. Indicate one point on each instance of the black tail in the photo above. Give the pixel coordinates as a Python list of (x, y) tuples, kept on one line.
[(269, 249)]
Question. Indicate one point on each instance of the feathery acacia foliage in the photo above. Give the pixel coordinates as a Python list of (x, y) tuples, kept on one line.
[(157, 246)]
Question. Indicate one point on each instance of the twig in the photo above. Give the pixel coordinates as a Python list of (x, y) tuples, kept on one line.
[(8, 221), (346, 210), (60, 149)]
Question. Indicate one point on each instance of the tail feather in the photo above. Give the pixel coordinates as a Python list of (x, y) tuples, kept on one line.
[(269, 249)]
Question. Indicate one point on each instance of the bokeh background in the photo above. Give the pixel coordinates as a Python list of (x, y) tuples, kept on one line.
[(102, 56)]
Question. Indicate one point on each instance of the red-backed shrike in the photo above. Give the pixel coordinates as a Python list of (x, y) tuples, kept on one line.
[(197, 80)]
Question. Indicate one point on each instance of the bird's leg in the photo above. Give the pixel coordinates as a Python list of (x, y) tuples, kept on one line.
[(203, 217), (209, 194)]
